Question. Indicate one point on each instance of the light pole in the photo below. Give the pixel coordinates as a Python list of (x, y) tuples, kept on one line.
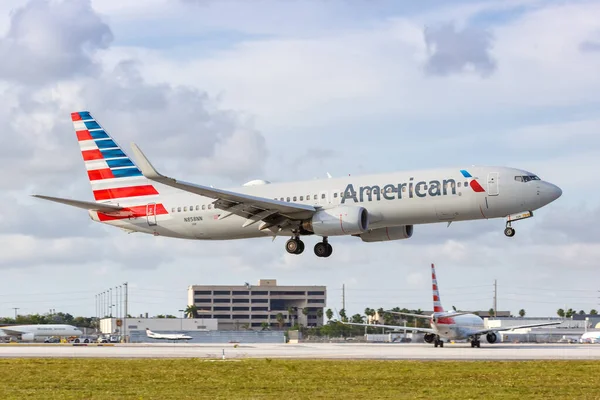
[(181, 321)]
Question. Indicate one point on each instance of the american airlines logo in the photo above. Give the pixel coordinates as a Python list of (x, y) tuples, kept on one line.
[(393, 192)]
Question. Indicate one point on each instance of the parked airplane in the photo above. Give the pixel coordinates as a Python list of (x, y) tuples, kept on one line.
[(590, 337), (375, 208), (29, 333), (167, 336), (452, 325)]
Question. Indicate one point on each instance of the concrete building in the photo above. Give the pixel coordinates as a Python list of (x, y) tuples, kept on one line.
[(160, 325), (248, 307)]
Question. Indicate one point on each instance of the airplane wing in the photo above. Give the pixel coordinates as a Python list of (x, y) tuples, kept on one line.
[(253, 208), (512, 328), (394, 327), (10, 332), (86, 205)]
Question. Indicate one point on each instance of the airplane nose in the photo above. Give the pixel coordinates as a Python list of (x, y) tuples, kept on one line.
[(551, 192)]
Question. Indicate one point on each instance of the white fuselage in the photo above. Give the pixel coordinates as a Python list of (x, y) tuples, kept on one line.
[(458, 328), (395, 199), (32, 332)]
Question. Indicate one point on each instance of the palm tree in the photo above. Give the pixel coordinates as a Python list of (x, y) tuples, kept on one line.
[(320, 314), (329, 314), (581, 312), (343, 315), (569, 313), (264, 326), (491, 312), (521, 313), (191, 311), (291, 315), (280, 320), (593, 311), (560, 312)]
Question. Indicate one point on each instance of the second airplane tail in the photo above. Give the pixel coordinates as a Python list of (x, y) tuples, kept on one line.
[(437, 304)]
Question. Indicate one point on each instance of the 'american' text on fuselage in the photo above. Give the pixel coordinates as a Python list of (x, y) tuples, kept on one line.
[(419, 189)]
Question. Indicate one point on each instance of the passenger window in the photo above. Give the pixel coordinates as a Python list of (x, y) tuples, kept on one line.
[(191, 208), (323, 195), (308, 197), (466, 184), (173, 209), (197, 208), (185, 208), (458, 184), (288, 199), (315, 196), (335, 195), (203, 207), (209, 206), (178, 209), (301, 198), (281, 199), (294, 198)]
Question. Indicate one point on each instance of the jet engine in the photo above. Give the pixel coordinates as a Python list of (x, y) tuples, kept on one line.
[(388, 233), (27, 337), (491, 337), (429, 337), (342, 220)]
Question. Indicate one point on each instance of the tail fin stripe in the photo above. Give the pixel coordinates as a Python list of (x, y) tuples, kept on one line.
[(126, 172), (99, 134), (91, 155), (137, 211), (131, 191), (83, 135), (113, 153), (106, 144), (92, 125), (98, 174), (120, 162), (84, 115)]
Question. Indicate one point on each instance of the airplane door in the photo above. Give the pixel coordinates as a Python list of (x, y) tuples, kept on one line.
[(493, 184), (151, 214)]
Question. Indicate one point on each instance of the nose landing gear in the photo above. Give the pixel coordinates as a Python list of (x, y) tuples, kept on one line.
[(509, 231)]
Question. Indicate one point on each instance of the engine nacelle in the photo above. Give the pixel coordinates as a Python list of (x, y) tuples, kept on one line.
[(429, 337), (491, 337), (389, 233), (27, 337), (338, 221)]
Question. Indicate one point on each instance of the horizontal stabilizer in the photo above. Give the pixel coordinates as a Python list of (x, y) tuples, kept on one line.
[(86, 205)]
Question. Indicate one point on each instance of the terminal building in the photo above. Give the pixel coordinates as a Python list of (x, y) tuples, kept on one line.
[(253, 307)]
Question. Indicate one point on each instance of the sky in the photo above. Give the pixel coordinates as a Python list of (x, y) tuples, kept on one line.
[(223, 92)]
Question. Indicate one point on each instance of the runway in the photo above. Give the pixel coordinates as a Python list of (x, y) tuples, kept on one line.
[(392, 351)]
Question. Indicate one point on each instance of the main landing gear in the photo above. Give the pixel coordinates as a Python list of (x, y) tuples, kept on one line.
[(475, 342), (438, 342), (323, 249), (294, 245)]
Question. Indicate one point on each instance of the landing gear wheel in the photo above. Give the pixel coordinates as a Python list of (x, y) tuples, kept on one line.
[(300, 247), (509, 231), (294, 246), (438, 342), (321, 249)]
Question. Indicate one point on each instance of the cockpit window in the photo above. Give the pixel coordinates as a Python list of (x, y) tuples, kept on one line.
[(527, 178)]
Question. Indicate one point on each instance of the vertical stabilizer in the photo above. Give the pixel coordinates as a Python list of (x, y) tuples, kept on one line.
[(437, 304), (112, 174)]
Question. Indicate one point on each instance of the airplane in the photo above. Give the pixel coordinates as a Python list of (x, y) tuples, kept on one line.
[(29, 333), (167, 336), (452, 325), (590, 337), (375, 208)]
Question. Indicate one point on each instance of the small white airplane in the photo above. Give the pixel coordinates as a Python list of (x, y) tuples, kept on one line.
[(452, 325), (29, 333), (590, 337), (375, 208), (167, 336)]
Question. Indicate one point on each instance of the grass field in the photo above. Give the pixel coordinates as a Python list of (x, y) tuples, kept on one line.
[(296, 379)]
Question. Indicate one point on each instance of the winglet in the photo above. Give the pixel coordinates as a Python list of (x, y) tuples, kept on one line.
[(144, 164)]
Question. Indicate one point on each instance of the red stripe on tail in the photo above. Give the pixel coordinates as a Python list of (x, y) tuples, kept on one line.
[(89, 155), (118, 193), (75, 116), (98, 174), (83, 135)]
